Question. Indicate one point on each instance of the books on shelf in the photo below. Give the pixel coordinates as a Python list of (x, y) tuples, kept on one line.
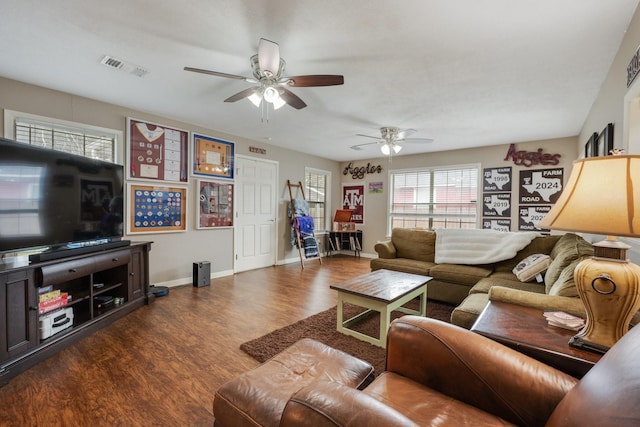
[(53, 303), (49, 295), (564, 320)]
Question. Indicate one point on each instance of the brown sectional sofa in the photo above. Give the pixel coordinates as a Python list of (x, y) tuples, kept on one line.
[(471, 286)]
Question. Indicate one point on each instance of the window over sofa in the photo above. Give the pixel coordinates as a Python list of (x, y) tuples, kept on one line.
[(429, 198)]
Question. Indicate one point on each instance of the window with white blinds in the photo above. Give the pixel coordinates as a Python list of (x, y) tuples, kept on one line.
[(74, 138), (433, 198), (317, 184)]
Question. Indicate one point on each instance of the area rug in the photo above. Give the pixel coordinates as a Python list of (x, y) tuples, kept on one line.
[(322, 327)]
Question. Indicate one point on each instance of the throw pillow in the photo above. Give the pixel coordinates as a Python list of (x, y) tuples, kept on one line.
[(532, 266), (565, 285), (569, 248)]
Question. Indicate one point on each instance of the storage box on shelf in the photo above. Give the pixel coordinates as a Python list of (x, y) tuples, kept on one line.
[(342, 221)]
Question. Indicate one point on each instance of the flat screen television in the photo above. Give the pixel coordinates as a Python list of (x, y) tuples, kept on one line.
[(55, 201)]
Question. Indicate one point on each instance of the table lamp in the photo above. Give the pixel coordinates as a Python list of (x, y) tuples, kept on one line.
[(601, 197)]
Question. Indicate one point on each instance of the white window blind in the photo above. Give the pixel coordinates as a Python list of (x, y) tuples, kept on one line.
[(432, 198), (316, 190)]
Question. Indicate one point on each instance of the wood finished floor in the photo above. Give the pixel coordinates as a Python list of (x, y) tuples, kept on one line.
[(161, 365)]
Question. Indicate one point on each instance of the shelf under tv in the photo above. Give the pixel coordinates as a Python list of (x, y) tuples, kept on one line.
[(68, 252)]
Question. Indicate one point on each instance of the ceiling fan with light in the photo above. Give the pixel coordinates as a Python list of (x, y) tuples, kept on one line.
[(268, 68), (390, 139)]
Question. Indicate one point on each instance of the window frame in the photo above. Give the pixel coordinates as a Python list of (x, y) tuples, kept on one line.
[(327, 196), (431, 216), (11, 117)]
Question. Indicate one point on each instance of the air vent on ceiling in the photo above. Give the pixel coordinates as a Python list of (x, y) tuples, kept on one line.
[(118, 64)]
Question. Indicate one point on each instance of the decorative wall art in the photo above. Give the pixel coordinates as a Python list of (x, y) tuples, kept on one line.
[(605, 141), (353, 200), (215, 204), (212, 157), (591, 147), (156, 208), (156, 152)]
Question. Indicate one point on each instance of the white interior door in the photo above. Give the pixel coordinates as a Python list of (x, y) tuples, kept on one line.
[(255, 222)]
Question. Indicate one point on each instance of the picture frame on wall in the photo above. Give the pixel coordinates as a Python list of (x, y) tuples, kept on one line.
[(605, 141), (591, 147), (214, 204), (212, 157), (156, 208), (156, 152)]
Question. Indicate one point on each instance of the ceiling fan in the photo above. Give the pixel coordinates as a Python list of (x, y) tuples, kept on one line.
[(268, 68), (390, 138)]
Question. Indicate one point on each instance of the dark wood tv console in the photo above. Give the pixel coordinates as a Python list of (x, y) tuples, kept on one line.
[(121, 273)]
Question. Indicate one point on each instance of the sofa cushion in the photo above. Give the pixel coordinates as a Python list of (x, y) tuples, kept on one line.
[(569, 248), (501, 279), (467, 312), (539, 245), (426, 406), (565, 286), (402, 264), (532, 267), (414, 244), (457, 273)]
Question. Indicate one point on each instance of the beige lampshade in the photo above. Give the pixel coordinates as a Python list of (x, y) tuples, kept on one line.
[(600, 197)]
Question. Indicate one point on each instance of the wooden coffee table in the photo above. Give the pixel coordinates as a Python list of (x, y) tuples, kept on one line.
[(383, 291)]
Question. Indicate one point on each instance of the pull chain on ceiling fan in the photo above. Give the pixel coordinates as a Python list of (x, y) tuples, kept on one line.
[(390, 139), (268, 68)]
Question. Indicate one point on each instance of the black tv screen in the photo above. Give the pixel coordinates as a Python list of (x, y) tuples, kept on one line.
[(53, 199)]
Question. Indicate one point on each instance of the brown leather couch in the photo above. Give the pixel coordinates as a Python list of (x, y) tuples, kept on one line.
[(440, 374)]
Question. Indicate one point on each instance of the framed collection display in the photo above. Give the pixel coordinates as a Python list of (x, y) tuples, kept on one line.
[(156, 208), (156, 152), (212, 157), (215, 204)]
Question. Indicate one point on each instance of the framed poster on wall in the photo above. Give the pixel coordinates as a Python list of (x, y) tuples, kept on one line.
[(212, 157), (215, 204), (156, 208), (156, 152), (353, 200)]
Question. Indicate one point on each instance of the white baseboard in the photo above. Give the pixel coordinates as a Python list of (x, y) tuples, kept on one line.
[(189, 280)]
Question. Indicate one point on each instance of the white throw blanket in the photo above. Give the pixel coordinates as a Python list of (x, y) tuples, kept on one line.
[(473, 246)]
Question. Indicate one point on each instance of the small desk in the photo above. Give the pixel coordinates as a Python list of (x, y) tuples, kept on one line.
[(383, 291), (525, 329)]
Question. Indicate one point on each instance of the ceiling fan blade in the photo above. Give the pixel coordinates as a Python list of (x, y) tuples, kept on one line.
[(420, 140), (314, 80), (217, 73), (357, 146), (268, 57), (373, 137), (403, 134), (292, 99), (242, 94)]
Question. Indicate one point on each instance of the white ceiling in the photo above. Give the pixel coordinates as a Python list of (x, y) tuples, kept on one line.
[(465, 73)]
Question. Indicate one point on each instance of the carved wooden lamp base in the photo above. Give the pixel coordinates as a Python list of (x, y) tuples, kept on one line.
[(610, 291)]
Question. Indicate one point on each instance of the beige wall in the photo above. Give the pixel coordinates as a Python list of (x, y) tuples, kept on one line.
[(619, 105), (376, 205), (172, 253), (610, 104)]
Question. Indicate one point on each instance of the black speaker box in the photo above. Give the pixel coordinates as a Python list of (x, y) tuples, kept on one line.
[(201, 274)]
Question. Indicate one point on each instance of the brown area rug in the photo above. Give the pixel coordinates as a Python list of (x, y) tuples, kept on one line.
[(322, 327)]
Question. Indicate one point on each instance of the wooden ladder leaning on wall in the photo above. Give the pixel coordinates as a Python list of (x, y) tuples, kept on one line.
[(293, 218)]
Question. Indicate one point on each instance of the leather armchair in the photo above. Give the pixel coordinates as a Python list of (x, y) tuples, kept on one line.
[(440, 374)]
